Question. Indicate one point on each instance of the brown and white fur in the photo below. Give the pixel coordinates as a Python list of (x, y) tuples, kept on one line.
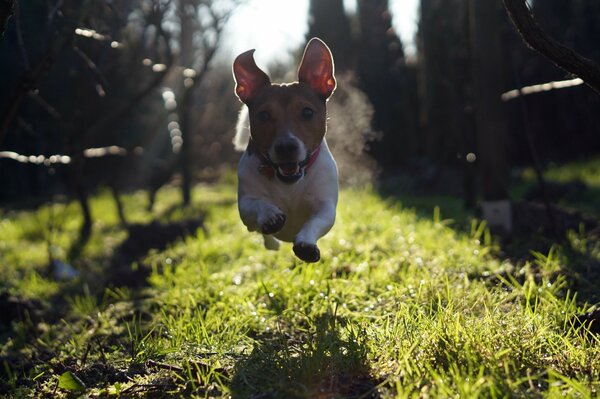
[(288, 185)]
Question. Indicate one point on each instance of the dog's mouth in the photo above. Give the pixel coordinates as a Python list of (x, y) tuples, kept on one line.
[(288, 169), (289, 172)]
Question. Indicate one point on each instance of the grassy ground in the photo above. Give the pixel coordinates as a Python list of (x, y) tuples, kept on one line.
[(403, 304), (575, 185)]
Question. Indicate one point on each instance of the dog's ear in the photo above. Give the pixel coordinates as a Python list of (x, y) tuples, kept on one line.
[(317, 68), (249, 78)]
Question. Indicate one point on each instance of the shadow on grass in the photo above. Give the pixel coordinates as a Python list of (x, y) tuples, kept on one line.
[(21, 319), (140, 240), (177, 211), (413, 195), (574, 232), (328, 361)]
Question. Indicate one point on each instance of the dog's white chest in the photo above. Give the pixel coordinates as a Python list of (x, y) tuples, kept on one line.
[(299, 202)]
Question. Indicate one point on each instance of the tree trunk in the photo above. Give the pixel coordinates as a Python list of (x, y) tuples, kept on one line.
[(119, 204), (183, 108), (186, 147), (489, 115), (328, 21), (445, 92), (85, 231)]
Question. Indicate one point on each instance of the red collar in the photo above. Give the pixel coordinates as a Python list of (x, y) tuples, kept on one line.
[(268, 168)]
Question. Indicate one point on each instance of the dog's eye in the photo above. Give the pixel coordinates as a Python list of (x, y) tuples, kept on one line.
[(264, 116), (307, 113)]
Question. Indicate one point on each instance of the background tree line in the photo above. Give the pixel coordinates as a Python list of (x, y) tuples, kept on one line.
[(142, 75)]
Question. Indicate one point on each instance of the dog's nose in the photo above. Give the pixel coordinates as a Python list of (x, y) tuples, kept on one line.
[(286, 149)]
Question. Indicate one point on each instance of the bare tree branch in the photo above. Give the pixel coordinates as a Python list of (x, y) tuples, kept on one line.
[(50, 110), (20, 42), (211, 26), (54, 11), (537, 39), (100, 79), (117, 116), (7, 9), (24, 85), (29, 78)]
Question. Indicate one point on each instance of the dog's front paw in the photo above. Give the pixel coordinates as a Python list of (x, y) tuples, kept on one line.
[(307, 252), (273, 225)]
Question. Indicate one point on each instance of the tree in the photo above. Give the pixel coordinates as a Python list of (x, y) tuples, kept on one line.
[(489, 114), (75, 89), (386, 79), (445, 80), (568, 112), (7, 9), (201, 26), (328, 21), (561, 55)]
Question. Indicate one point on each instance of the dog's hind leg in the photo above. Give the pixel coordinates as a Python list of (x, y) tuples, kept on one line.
[(271, 243)]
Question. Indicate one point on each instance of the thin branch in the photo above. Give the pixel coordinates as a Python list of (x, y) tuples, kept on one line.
[(29, 78), (164, 366), (7, 9), (537, 39), (22, 124), (98, 152), (54, 11), (138, 388), (20, 42), (540, 88), (50, 110), (136, 99), (24, 85), (100, 79)]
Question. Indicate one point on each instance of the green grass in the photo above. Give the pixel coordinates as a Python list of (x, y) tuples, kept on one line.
[(402, 305), (585, 172)]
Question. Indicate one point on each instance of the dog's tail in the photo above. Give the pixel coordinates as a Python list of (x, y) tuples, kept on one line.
[(242, 131)]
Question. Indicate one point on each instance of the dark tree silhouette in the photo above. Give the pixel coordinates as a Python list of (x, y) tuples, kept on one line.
[(386, 80), (445, 92), (489, 114), (201, 26), (7, 9), (561, 55), (76, 87), (328, 21)]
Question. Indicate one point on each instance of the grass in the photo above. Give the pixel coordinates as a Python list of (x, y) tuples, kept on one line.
[(584, 178), (402, 305), (587, 171)]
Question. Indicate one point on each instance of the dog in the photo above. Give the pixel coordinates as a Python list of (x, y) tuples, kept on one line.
[(287, 177)]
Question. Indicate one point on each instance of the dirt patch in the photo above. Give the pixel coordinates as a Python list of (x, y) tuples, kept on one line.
[(589, 320), (532, 216), (14, 308)]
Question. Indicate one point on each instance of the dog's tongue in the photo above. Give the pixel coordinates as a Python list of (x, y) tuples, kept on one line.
[(288, 169)]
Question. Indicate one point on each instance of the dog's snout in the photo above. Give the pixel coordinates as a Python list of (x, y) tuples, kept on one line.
[(287, 149)]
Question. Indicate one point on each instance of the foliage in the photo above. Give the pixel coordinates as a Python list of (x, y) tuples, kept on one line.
[(404, 304), (94, 75), (100, 87), (587, 171)]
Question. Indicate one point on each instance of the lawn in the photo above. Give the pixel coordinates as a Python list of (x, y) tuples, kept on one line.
[(574, 185), (405, 303)]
